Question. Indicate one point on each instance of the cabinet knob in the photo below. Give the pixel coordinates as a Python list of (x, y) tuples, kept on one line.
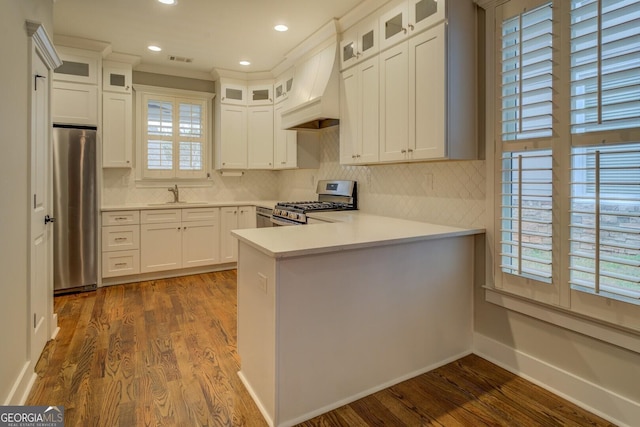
[(411, 27), (404, 30), (410, 150), (403, 151), (283, 163)]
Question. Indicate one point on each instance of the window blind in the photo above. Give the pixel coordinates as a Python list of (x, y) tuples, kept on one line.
[(605, 65), (605, 220), (526, 75), (526, 214), (160, 135)]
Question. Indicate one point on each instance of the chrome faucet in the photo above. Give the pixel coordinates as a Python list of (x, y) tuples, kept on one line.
[(176, 193)]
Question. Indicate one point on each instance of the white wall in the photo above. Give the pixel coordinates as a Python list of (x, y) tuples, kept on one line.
[(14, 191)]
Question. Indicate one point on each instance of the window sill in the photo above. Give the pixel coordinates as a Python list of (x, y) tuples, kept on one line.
[(613, 334)]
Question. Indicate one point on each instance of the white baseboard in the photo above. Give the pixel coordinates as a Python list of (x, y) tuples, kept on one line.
[(22, 386), (592, 397), (255, 398)]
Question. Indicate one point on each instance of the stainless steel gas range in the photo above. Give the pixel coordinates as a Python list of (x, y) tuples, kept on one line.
[(333, 195)]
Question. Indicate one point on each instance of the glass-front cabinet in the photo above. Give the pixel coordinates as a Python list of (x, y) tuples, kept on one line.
[(233, 93), (358, 43), (261, 94), (408, 17), (116, 77)]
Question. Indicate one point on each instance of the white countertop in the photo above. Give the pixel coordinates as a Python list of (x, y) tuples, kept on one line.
[(350, 230), (188, 205)]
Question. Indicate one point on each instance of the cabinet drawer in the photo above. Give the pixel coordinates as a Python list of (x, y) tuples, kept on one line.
[(121, 263), (160, 216), (120, 238), (200, 214), (120, 218)]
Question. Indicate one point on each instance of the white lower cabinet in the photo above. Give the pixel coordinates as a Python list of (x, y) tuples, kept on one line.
[(120, 243), (233, 218), (191, 241)]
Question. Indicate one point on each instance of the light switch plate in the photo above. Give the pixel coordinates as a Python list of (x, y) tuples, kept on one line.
[(262, 282)]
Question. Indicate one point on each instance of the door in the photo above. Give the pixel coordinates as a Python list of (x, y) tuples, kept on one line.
[(260, 137), (41, 277)]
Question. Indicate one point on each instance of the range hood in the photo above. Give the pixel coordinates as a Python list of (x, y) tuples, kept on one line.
[(314, 101)]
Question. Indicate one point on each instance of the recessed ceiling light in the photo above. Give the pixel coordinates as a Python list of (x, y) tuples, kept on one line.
[(281, 28), (245, 63), (171, 2), (154, 48)]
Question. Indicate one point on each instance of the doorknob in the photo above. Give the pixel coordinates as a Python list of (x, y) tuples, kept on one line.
[(48, 219)]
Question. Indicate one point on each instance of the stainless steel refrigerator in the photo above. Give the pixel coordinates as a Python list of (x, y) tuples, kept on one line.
[(75, 209)]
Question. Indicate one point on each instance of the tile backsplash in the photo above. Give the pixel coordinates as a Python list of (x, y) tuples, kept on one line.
[(451, 193)]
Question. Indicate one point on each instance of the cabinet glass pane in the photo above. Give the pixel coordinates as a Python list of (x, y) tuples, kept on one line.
[(348, 52), (289, 84), (367, 41), (231, 93), (393, 26), (279, 91), (116, 80), (425, 8), (73, 69), (260, 95)]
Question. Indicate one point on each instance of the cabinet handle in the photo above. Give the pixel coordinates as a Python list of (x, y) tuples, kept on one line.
[(128, 162), (178, 228), (184, 228), (120, 218), (403, 151), (404, 30), (283, 163), (410, 150), (411, 27), (353, 156), (120, 239), (120, 264)]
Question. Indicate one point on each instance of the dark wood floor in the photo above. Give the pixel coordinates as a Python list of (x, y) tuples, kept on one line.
[(163, 353)]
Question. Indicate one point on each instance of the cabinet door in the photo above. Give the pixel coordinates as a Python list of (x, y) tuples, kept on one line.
[(233, 137), (247, 217), (349, 116), (260, 137), (228, 243), (78, 66), (117, 139), (427, 95), (160, 247), (394, 25), (116, 77), (394, 103), (260, 95), (425, 13), (73, 103), (234, 94), (349, 48), (368, 44), (369, 94), (285, 142), (200, 243)]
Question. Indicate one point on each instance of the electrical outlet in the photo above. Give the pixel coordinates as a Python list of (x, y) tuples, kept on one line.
[(262, 282)]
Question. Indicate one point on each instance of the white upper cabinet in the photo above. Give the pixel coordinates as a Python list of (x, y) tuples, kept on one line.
[(231, 133), (359, 43), (116, 77), (78, 66), (260, 94), (117, 132), (233, 93), (409, 17), (285, 141), (74, 104), (283, 86), (359, 109), (260, 137)]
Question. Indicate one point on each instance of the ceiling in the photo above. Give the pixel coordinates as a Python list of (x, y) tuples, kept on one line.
[(214, 33)]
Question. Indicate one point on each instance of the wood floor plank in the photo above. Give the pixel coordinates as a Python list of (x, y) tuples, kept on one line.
[(163, 353)]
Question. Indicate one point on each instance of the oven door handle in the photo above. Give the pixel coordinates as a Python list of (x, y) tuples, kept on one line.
[(280, 221)]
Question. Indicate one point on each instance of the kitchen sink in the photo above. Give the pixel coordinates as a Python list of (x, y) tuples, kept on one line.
[(177, 204)]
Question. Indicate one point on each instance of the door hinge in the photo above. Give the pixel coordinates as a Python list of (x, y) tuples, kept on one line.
[(34, 320), (34, 201)]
